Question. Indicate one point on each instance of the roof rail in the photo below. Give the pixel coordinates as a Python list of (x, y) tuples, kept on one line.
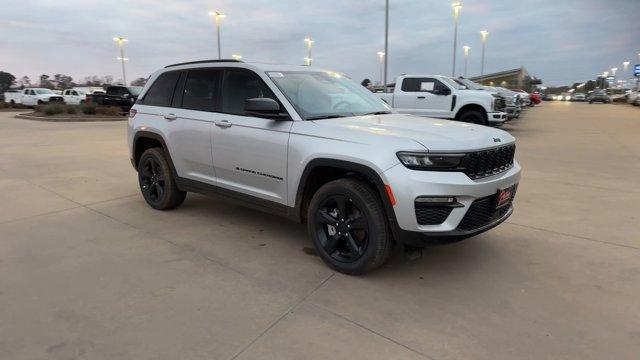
[(204, 62)]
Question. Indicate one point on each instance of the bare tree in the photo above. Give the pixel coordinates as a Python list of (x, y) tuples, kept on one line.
[(139, 82)]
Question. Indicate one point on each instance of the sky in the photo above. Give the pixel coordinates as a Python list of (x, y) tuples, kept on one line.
[(560, 42)]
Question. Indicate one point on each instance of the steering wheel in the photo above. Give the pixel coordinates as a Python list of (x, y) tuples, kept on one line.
[(342, 105)]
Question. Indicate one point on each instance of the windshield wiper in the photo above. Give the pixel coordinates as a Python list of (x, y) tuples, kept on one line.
[(378, 113), (326, 117)]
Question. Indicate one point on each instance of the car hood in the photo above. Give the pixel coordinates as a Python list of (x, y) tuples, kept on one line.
[(433, 134)]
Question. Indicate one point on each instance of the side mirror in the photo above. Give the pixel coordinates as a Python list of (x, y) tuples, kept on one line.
[(265, 108)]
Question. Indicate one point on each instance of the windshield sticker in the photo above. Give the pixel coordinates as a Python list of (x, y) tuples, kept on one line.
[(275, 74)]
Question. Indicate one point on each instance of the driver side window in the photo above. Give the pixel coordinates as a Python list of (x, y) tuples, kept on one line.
[(429, 85)]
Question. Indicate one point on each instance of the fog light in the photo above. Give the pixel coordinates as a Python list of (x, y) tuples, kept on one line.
[(436, 200)]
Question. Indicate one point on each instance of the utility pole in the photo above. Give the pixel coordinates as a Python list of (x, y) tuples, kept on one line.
[(386, 42)]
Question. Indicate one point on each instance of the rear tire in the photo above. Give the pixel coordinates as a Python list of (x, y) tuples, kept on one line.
[(348, 227), (473, 116), (156, 181), (13, 103)]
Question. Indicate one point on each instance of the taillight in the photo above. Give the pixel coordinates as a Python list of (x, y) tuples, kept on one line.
[(132, 113)]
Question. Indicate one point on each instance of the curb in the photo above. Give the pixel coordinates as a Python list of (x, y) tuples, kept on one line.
[(26, 116)]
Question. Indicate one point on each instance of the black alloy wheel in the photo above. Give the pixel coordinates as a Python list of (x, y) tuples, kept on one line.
[(156, 181), (348, 226), (342, 228), (152, 180), (474, 117)]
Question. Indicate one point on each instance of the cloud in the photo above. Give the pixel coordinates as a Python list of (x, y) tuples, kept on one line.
[(560, 42)]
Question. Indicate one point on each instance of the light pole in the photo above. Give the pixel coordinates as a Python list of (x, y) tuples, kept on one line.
[(386, 41), (309, 42), (218, 16), (236, 57), (381, 57), (120, 41), (466, 58), (626, 65), (456, 14), (484, 34)]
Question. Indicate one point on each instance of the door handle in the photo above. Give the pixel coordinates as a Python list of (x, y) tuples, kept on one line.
[(420, 97), (171, 117), (223, 124)]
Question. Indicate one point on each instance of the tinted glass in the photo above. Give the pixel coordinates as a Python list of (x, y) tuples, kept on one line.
[(240, 86), (421, 85), (201, 90), (318, 95), (161, 92)]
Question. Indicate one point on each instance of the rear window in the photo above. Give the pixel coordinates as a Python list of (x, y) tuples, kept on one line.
[(161, 92), (201, 90)]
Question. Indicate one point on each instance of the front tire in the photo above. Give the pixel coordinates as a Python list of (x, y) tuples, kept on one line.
[(473, 116), (347, 225), (156, 181)]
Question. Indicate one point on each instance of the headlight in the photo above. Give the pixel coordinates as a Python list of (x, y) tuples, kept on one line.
[(426, 161)]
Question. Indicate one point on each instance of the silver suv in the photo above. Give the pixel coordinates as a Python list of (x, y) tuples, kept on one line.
[(314, 146)]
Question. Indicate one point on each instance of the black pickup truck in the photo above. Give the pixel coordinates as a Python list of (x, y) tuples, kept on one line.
[(121, 96)]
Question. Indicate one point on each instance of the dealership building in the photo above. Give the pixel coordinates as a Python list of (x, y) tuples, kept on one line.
[(513, 79)]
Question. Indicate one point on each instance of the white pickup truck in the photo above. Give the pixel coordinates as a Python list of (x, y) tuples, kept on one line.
[(32, 97), (442, 97)]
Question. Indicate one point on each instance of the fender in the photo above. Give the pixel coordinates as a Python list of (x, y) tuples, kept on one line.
[(368, 172)]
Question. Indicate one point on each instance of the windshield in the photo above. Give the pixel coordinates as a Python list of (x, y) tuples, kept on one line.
[(44, 91), (469, 84), (135, 90), (320, 95), (454, 83)]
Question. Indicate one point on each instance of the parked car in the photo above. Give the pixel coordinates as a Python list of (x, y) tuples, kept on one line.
[(90, 89), (578, 97), (549, 97), (565, 96), (514, 100), (74, 97), (526, 97), (632, 97), (13, 96), (509, 103), (536, 98), (33, 96), (121, 96), (599, 95), (316, 147), (442, 97)]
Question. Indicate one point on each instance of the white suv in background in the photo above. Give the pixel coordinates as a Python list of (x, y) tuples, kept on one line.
[(316, 147)]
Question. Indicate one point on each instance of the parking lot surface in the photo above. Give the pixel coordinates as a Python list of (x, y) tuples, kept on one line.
[(89, 271)]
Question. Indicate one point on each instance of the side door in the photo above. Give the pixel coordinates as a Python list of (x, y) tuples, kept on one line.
[(195, 101), (187, 132), (28, 96), (74, 97), (249, 153), (425, 96)]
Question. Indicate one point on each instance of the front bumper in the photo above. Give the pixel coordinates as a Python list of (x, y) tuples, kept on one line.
[(497, 117), (408, 185)]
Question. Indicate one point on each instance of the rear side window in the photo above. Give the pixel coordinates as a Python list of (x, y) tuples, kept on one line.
[(240, 85), (422, 85), (201, 90), (161, 92)]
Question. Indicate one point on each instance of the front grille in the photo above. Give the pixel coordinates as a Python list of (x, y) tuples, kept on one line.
[(483, 212), (488, 162), (431, 215), (56, 99)]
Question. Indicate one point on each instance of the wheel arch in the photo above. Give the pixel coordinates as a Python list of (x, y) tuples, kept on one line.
[(471, 107), (144, 140), (319, 171)]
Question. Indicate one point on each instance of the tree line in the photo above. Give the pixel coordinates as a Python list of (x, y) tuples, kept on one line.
[(58, 81)]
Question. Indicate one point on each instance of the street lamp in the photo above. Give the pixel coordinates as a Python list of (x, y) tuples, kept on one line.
[(456, 14), (381, 57), (484, 34), (218, 16), (120, 41), (386, 41), (309, 42), (466, 58), (236, 56), (626, 65), (613, 71)]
